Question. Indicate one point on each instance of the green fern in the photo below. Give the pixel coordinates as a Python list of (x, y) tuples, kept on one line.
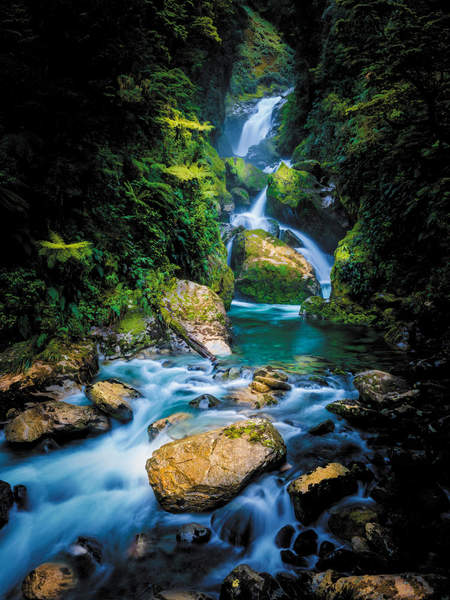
[(56, 250)]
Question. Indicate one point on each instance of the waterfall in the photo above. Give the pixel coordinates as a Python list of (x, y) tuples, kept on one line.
[(258, 125), (321, 262)]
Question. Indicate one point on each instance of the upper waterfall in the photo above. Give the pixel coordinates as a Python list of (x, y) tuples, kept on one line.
[(258, 125)]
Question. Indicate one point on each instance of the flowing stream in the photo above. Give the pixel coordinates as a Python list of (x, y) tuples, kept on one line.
[(98, 487)]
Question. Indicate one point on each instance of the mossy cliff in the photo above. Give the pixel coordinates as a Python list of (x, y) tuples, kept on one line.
[(268, 270), (264, 62), (294, 197)]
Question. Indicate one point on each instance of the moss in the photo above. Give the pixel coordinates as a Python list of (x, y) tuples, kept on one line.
[(353, 273), (338, 311), (291, 188), (18, 357), (255, 432), (240, 196), (133, 322), (268, 270), (241, 174), (264, 63)]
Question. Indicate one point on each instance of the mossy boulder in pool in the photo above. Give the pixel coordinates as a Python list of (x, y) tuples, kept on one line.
[(243, 175), (201, 472), (294, 197), (268, 270), (197, 314)]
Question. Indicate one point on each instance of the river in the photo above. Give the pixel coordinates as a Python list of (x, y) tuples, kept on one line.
[(98, 487)]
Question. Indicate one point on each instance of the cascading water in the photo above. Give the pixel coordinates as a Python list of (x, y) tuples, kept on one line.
[(258, 125), (98, 487), (321, 262)]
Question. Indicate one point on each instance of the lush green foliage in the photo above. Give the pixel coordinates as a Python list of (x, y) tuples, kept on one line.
[(108, 185), (264, 63), (372, 105)]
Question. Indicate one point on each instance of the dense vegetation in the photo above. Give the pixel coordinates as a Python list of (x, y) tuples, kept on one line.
[(372, 105), (108, 182)]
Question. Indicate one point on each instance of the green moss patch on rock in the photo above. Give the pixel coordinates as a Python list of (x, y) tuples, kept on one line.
[(268, 270), (242, 174), (293, 196)]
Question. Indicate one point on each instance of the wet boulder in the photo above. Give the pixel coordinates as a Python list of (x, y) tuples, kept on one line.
[(55, 418), (317, 490), (267, 387), (111, 397), (20, 493), (354, 412), (268, 270), (204, 471), (86, 554), (6, 502), (69, 367), (294, 197), (350, 521), (198, 316), (306, 543), (322, 428), (205, 401), (49, 581), (243, 583), (181, 595), (284, 537), (193, 533), (245, 176), (289, 238), (395, 587), (157, 426), (383, 390)]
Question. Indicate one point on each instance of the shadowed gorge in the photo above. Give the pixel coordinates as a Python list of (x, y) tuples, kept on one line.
[(224, 299)]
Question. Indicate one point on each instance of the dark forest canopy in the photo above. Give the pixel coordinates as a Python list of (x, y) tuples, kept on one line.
[(109, 182)]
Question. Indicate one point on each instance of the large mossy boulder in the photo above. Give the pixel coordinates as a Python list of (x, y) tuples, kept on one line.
[(294, 197), (197, 314), (56, 372), (56, 419), (268, 270), (204, 471), (245, 176)]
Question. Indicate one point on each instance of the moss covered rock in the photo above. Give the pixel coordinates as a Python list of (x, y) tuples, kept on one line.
[(268, 270), (353, 272), (267, 387), (57, 371), (204, 471), (55, 418), (111, 397), (49, 581), (294, 197), (243, 175), (197, 314), (317, 490)]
